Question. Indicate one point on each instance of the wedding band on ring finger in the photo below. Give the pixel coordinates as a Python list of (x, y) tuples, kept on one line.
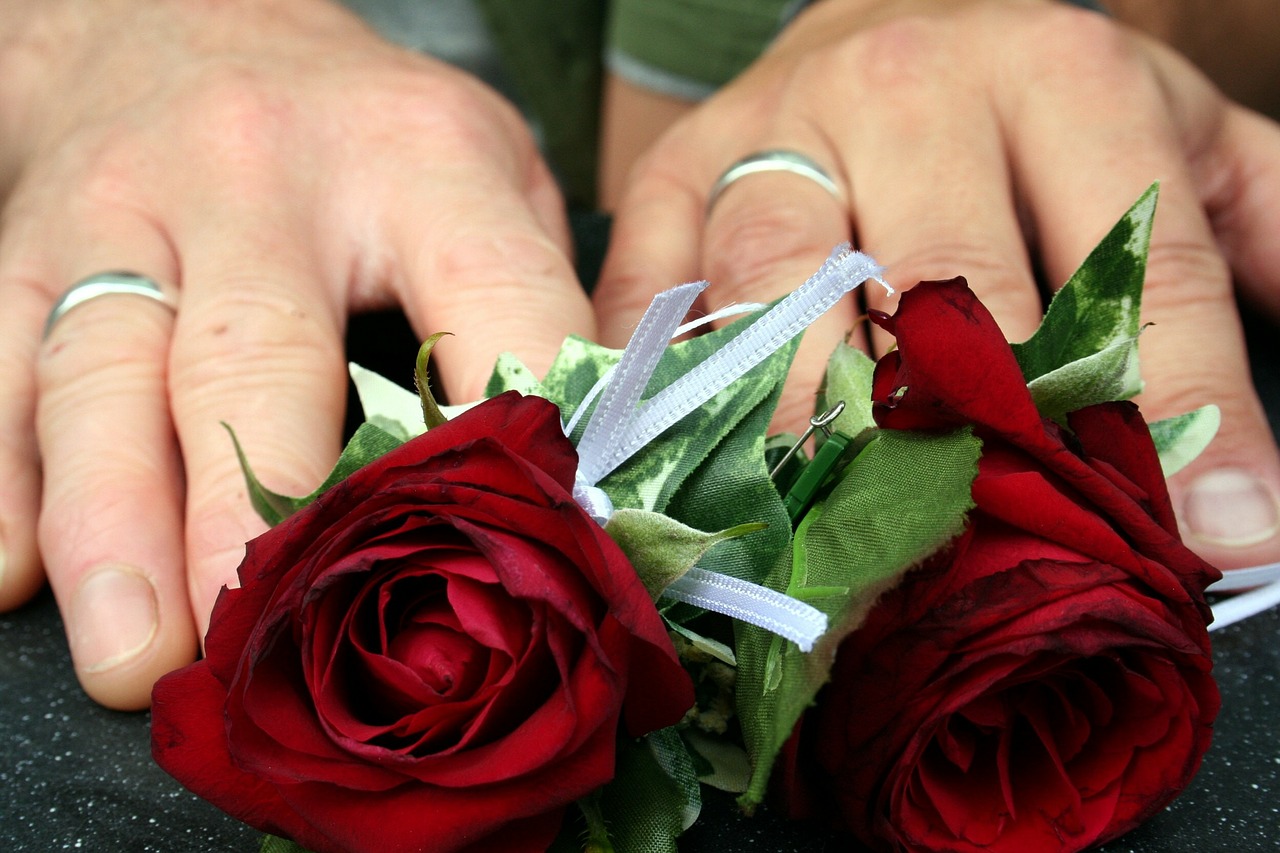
[(111, 283), (773, 160)]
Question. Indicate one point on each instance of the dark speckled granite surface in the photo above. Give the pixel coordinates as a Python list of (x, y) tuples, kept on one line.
[(76, 777)]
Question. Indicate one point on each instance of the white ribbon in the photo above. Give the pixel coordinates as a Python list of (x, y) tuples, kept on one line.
[(621, 425), (1263, 585)]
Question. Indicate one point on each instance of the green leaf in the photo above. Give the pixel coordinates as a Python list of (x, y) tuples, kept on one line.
[(848, 380), (1180, 439), (431, 414), (662, 549), (1085, 351), (275, 844), (725, 765), (369, 443), (713, 649), (654, 795), (510, 374), (708, 470), (900, 500), (731, 487), (393, 409)]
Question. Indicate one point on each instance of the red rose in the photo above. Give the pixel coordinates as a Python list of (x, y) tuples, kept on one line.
[(432, 656), (1045, 683)]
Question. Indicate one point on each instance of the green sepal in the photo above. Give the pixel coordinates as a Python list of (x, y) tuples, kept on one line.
[(848, 380), (654, 795), (662, 549), (275, 844), (1086, 349), (369, 443), (902, 498), (431, 414), (1180, 439)]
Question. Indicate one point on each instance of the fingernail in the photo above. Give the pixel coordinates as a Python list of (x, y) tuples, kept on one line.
[(114, 618), (1231, 507)]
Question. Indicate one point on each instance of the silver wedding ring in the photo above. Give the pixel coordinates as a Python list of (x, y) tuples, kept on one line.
[(773, 160), (104, 284)]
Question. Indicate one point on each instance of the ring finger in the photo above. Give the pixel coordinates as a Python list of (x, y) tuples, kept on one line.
[(110, 526)]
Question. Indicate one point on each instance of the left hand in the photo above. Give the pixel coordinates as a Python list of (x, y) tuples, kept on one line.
[(988, 138)]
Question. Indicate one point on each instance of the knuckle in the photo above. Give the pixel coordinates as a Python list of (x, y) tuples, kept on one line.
[(1185, 276), (246, 336), (476, 262), (237, 120), (1075, 47), (750, 242), (901, 53)]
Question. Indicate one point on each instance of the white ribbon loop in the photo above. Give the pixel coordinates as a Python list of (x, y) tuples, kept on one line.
[(620, 425), (763, 607)]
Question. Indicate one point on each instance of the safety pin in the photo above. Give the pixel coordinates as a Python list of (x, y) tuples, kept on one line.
[(817, 422), (812, 477)]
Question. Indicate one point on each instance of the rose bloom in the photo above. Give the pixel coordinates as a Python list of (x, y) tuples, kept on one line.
[(1044, 683), (434, 655)]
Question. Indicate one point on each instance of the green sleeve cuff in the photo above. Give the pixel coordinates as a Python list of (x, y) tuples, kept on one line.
[(690, 48)]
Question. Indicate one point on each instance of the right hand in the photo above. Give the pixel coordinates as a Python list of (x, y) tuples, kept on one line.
[(275, 166)]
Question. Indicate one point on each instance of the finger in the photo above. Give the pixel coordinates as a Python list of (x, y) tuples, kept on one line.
[(258, 347), (110, 525), (1193, 354), (488, 265), (656, 237), (1240, 183), (927, 157), (25, 285), (1227, 498)]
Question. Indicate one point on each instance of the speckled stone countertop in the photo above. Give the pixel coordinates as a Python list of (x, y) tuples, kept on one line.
[(76, 777)]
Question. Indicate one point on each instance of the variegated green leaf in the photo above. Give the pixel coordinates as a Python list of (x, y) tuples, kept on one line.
[(1097, 311), (391, 408), (510, 374), (1180, 439)]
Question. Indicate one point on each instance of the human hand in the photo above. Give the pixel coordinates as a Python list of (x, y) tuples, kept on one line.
[(990, 138), (274, 165)]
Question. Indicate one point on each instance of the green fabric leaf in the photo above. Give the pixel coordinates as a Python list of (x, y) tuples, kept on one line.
[(848, 379), (654, 795), (1180, 439), (900, 500), (369, 443), (662, 549), (1085, 349), (722, 763)]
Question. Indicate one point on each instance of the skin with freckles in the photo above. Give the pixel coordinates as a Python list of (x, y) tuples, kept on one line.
[(276, 166)]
